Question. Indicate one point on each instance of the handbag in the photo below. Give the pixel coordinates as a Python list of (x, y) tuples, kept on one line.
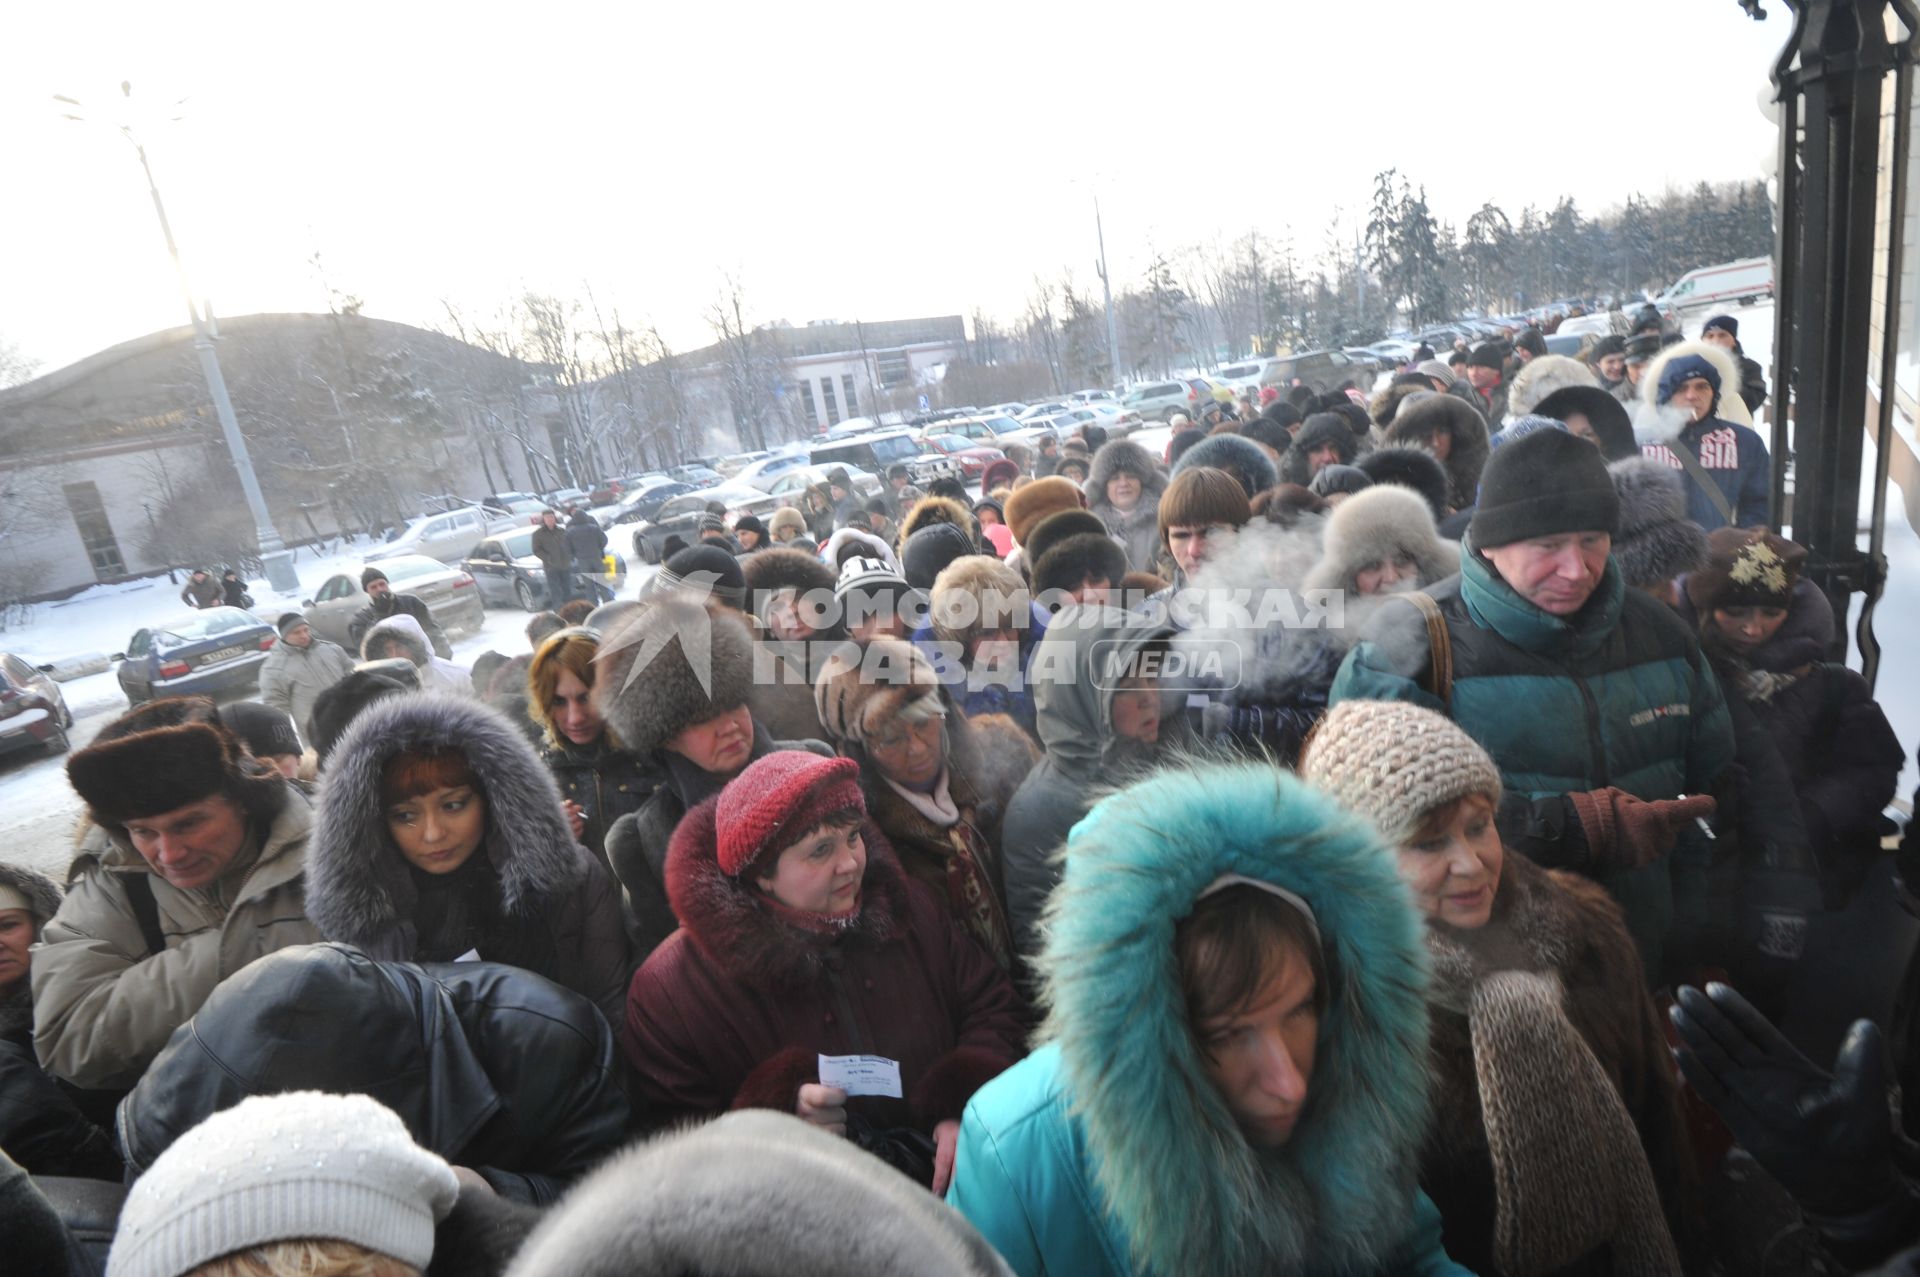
[(907, 1150), (1439, 648)]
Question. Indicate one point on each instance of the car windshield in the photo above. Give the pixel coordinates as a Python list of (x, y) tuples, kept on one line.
[(949, 442), (211, 623), (896, 448), (518, 545)]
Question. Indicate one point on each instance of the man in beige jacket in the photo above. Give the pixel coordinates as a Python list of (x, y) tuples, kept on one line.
[(193, 868)]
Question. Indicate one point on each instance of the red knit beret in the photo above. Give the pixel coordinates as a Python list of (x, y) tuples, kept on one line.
[(778, 799)]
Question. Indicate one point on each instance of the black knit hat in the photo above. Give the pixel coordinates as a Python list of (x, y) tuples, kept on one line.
[(1725, 323), (706, 565), (370, 574), (1543, 485), (1531, 341), (1611, 344), (264, 730), (1487, 355), (750, 523), (927, 552), (1642, 347)]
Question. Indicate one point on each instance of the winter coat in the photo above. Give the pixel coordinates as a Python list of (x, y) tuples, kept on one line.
[(587, 545), (637, 844), (103, 1004), (988, 758), (292, 678), (1616, 694), (990, 692), (1563, 926), (1110, 1151), (1753, 381), (530, 895), (1463, 390), (1138, 530), (1841, 753), (726, 1197), (1493, 403), (397, 604), (1468, 455), (735, 1008), (1074, 707), (205, 592), (550, 547), (1736, 459), (234, 593), (489, 1066), (437, 674), (606, 782)]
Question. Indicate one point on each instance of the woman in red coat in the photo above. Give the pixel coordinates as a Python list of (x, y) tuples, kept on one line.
[(800, 938)]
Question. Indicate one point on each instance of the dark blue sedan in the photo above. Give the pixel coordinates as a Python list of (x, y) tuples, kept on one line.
[(217, 651)]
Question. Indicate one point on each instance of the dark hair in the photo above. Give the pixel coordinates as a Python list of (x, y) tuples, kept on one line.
[(1203, 495), (1178, 445), (1232, 944), (1285, 413), (576, 611), (543, 624), (846, 818), (898, 471)]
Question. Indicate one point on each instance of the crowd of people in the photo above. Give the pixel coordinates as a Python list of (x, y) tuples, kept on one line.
[(1388, 830)]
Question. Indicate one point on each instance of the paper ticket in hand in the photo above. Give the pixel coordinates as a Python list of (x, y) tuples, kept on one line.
[(861, 1074), (471, 955)]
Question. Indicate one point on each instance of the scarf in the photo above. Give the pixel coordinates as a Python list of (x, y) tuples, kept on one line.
[(970, 896)]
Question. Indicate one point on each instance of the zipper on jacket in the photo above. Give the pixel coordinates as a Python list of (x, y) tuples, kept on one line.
[(1595, 743), (856, 1032)]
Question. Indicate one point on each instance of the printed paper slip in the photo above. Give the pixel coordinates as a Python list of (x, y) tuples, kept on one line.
[(861, 1074)]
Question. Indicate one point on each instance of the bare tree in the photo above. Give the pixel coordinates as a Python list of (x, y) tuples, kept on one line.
[(754, 371), (16, 365)]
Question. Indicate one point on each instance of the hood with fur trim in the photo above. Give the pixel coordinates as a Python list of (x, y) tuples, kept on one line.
[(43, 893), (1731, 406), (358, 887), (928, 511), (1168, 1158), (728, 919), (406, 630), (1543, 375), (1656, 541), (1123, 456), (651, 705), (1468, 455), (1320, 429), (1384, 521)]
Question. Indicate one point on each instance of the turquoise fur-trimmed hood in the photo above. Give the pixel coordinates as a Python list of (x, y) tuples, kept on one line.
[(1168, 1161)]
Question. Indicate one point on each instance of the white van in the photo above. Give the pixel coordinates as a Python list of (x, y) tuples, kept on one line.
[(1744, 282)]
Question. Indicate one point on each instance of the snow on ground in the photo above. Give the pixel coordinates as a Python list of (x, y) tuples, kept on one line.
[(38, 809)]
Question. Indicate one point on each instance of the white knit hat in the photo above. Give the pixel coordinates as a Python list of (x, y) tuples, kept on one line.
[(281, 1167), (1393, 762)]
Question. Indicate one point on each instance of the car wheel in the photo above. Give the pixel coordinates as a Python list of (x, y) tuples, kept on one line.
[(523, 591), (644, 548), (57, 743)]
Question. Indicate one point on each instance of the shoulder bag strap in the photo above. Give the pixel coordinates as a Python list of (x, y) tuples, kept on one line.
[(1439, 648), (146, 911), (1691, 463)]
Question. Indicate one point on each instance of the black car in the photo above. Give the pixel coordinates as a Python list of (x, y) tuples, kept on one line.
[(641, 505), (33, 713), (509, 576), (206, 653)]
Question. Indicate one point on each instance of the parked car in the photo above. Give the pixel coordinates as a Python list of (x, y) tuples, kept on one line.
[(1031, 411), (1162, 400), (698, 475), (973, 458), (446, 537), (214, 651), (1003, 410), (787, 488), (1090, 396), (1567, 344), (730, 466), (504, 502), (33, 713), (680, 516), (566, 498), (449, 593), (508, 575), (762, 473), (1118, 422), (1243, 377), (643, 501), (1321, 369), (877, 451), (984, 429)]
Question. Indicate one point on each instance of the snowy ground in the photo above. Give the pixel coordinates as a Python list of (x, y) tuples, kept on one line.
[(38, 809)]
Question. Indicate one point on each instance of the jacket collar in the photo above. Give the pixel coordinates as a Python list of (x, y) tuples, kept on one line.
[(1497, 606)]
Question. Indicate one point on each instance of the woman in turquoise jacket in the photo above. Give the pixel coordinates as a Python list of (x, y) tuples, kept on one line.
[(1233, 1077)]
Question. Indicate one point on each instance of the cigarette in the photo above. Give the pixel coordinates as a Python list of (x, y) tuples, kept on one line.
[(1701, 821)]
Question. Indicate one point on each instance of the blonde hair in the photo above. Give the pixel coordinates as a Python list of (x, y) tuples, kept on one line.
[(1434, 820), (568, 651), (306, 1257)]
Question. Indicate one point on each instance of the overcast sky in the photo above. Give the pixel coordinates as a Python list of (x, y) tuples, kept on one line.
[(841, 160)]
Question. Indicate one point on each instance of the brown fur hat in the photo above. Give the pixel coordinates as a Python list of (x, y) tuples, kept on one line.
[(861, 689), (665, 696), (165, 755), (928, 511), (1034, 502), (986, 579)]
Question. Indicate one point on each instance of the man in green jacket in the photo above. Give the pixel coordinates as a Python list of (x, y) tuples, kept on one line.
[(1593, 699)]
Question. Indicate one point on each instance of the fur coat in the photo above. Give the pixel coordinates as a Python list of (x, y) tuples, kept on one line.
[(539, 899)]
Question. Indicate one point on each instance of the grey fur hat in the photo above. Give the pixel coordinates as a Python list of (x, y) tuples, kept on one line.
[(723, 1198), (666, 695), (1656, 541), (1386, 519), (41, 893), (1123, 456), (358, 886), (1543, 375), (1244, 459)]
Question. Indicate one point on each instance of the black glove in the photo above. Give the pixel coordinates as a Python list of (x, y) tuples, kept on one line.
[(1828, 1138)]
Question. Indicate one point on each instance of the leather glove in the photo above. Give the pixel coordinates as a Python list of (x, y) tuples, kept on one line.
[(1630, 833), (1828, 1138)]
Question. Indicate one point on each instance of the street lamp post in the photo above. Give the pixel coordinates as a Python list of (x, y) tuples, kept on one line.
[(274, 556), (1106, 289)]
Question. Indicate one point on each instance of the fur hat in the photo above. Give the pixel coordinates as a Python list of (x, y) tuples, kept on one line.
[(925, 554), (1055, 528), (778, 800), (1543, 375), (1656, 542), (1641, 347), (929, 511), (783, 569), (335, 708), (1123, 456), (1746, 567), (984, 581), (1532, 342), (1605, 414), (1070, 563), (1285, 504), (786, 519), (1610, 344), (264, 730), (1544, 484), (1028, 505), (1384, 521), (1335, 479), (1244, 459), (861, 689), (161, 756), (1386, 404), (853, 543), (703, 566), (999, 474), (1393, 762), (1317, 432), (1414, 468), (648, 705)]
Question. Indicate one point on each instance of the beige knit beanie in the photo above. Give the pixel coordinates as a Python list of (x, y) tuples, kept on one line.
[(1393, 762)]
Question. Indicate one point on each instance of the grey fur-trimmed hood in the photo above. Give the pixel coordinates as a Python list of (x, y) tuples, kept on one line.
[(1656, 541), (358, 888), (402, 628), (43, 893), (1123, 456), (1368, 526), (1471, 446)]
